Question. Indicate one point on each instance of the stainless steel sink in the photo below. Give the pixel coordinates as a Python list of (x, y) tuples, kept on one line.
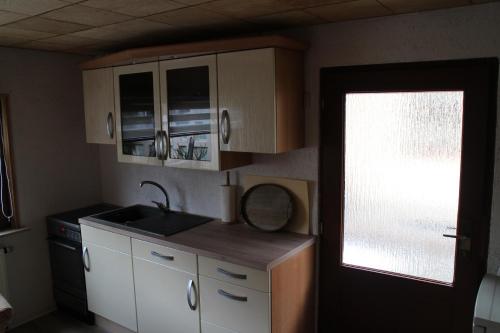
[(152, 220)]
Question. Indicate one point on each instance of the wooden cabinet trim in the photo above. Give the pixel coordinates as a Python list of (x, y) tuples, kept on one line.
[(155, 53), (293, 292)]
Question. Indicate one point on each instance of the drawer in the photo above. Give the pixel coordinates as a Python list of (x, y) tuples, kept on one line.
[(106, 239), (239, 275), (165, 256), (207, 327), (233, 307)]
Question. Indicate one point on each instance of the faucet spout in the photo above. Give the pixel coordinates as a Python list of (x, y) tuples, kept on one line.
[(164, 207)]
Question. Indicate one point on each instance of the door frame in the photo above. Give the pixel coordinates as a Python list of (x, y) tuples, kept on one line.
[(332, 125)]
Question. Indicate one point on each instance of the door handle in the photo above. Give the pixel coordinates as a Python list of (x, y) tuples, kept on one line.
[(190, 289), (225, 127), (110, 125), (85, 258), (464, 242)]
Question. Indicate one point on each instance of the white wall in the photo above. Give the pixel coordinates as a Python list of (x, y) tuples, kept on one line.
[(439, 35), (55, 169)]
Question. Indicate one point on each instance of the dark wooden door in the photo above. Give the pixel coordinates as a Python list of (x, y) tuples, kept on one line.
[(406, 164)]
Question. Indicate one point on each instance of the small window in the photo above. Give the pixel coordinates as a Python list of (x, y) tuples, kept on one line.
[(402, 176), (8, 210)]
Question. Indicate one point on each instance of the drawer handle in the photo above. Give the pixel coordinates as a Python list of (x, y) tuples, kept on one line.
[(231, 274), (231, 296), (190, 288), (159, 255)]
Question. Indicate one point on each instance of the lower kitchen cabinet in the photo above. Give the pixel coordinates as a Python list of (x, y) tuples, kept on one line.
[(233, 307), (109, 277), (167, 299), (239, 299), (150, 288)]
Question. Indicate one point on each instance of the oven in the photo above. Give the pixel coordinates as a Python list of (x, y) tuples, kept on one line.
[(65, 248)]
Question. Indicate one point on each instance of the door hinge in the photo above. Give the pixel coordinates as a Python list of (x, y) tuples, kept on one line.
[(320, 228)]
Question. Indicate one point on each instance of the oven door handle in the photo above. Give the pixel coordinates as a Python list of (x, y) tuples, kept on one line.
[(66, 246)]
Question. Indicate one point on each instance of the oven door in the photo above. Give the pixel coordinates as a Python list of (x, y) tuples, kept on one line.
[(67, 266)]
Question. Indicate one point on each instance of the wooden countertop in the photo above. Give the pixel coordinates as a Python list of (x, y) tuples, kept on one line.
[(235, 243)]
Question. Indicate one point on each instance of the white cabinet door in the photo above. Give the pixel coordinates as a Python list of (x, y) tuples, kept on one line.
[(137, 108), (162, 299), (98, 102), (246, 83), (110, 284)]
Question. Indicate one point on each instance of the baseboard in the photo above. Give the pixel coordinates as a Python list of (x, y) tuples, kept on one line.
[(109, 326), (25, 320)]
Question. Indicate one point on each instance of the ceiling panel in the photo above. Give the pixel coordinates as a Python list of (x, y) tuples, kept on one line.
[(23, 34), (99, 26), (125, 30), (86, 15), (350, 10), (191, 16), (249, 8), (7, 17), (37, 23), (138, 8), (407, 6), (31, 7), (288, 19)]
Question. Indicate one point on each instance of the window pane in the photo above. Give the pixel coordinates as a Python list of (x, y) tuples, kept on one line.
[(402, 173)]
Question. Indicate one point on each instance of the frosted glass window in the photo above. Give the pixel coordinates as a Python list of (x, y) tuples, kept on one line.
[(402, 173)]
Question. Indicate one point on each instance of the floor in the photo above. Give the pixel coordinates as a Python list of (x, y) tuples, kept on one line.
[(56, 323)]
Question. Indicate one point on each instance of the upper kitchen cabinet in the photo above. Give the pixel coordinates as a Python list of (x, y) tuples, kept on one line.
[(99, 105), (138, 118), (202, 105), (189, 112), (261, 100)]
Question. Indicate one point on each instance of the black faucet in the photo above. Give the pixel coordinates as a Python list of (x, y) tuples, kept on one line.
[(164, 207)]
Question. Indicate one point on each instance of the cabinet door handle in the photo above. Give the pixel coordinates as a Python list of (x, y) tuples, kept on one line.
[(110, 125), (191, 288), (231, 274), (162, 256), (85, 258), (158, 145), (225, 127), (231, 296), (164, 145)]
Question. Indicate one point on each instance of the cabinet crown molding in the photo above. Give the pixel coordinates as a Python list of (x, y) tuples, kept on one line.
[(161, 52)]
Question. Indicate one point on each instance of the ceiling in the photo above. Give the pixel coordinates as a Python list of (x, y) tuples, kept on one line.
[(101, 26)]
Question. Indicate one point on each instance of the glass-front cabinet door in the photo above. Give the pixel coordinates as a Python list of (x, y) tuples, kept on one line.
[(189, 112), (138, 118)]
